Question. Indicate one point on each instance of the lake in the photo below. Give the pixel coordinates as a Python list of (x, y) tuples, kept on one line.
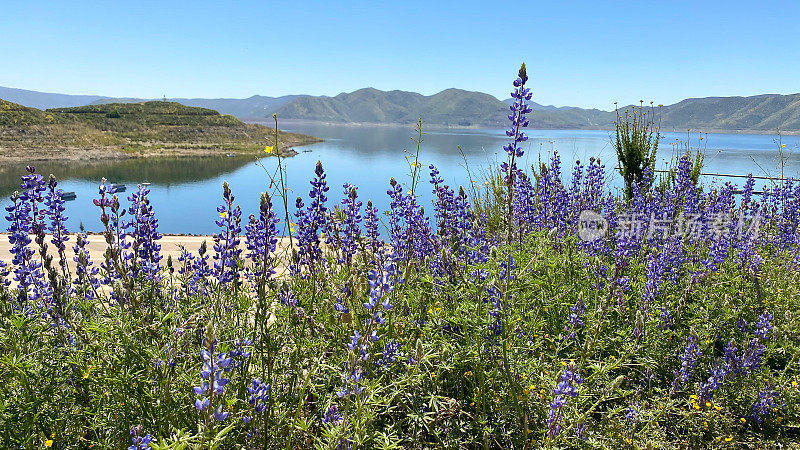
[(186, 191)]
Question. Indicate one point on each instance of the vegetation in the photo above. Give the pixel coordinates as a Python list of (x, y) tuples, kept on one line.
[(583, 320), (636, 143), (130, 129)]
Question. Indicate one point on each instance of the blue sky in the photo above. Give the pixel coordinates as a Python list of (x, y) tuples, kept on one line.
[(579, 53)]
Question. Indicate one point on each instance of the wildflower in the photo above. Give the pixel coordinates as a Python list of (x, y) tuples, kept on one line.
[(632, 413), (259, 394), (139, 442), (567, 387), (220, 415), (574, 318), (145, 257), (765, 404), (310, 221), (268, 149), (351, 224), (519, 108), (332, 417), (212, 374), (763, 325), (227, 239), (261, 237), (689, 358)]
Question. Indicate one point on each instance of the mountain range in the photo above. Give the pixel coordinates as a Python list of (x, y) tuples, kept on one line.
[(456, 107)]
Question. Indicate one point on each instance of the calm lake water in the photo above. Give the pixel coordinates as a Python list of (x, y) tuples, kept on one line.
[(185, 192)]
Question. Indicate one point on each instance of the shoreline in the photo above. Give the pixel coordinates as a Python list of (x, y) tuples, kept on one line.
[(170, 246), (116, 153)]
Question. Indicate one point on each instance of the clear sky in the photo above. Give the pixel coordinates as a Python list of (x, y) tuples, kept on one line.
[(579, 53)]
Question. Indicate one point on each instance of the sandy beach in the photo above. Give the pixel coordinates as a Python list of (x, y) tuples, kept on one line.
[(171, 245)]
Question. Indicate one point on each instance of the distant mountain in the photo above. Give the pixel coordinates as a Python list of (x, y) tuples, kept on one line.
[(44, 100), (456, 107), (757, 113)]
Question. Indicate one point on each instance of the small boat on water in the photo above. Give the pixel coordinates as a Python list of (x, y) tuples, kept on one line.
[(119, 187), (231, 155), (69, 196)]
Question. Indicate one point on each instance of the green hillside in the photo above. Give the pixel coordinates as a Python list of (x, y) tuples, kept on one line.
[(760, 113), (449, 107), (119, 130)]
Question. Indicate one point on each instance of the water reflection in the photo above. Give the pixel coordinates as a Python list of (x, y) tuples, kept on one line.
[(161, 171), (186, 191)]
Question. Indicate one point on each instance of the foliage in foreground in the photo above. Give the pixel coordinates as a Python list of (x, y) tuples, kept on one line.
[(581, 320)]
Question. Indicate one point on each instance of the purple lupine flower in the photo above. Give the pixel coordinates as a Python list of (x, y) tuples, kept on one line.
[(85, 272), (351, 223), (409, 229), (259, 394), (241, 351), (765, 404), (261, 237), (341, 305), (666, 319), (227, 240), (332, 417), (26, 269), (580, 431), (388, 357), (575, 321), (495, 327), (374, 245), (310, 222), (287, 298), (741, 324), (632, 413), (220, 415), (144, 259), (111, 216), (519, 109), (139, 442), (570, 380), (382, 282), (57, 228), (689, 358), (763, 325), (213, 380)]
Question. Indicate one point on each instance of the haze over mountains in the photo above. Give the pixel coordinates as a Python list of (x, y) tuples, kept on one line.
[(455, 107)]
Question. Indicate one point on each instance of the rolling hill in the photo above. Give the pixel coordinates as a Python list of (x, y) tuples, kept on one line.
[(456, 107), (124, 130)]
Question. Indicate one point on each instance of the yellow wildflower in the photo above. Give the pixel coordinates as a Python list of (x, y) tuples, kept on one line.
[(48, 443), (268, 149)]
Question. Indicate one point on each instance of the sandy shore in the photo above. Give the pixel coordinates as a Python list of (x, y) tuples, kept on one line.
[(170, 246)]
